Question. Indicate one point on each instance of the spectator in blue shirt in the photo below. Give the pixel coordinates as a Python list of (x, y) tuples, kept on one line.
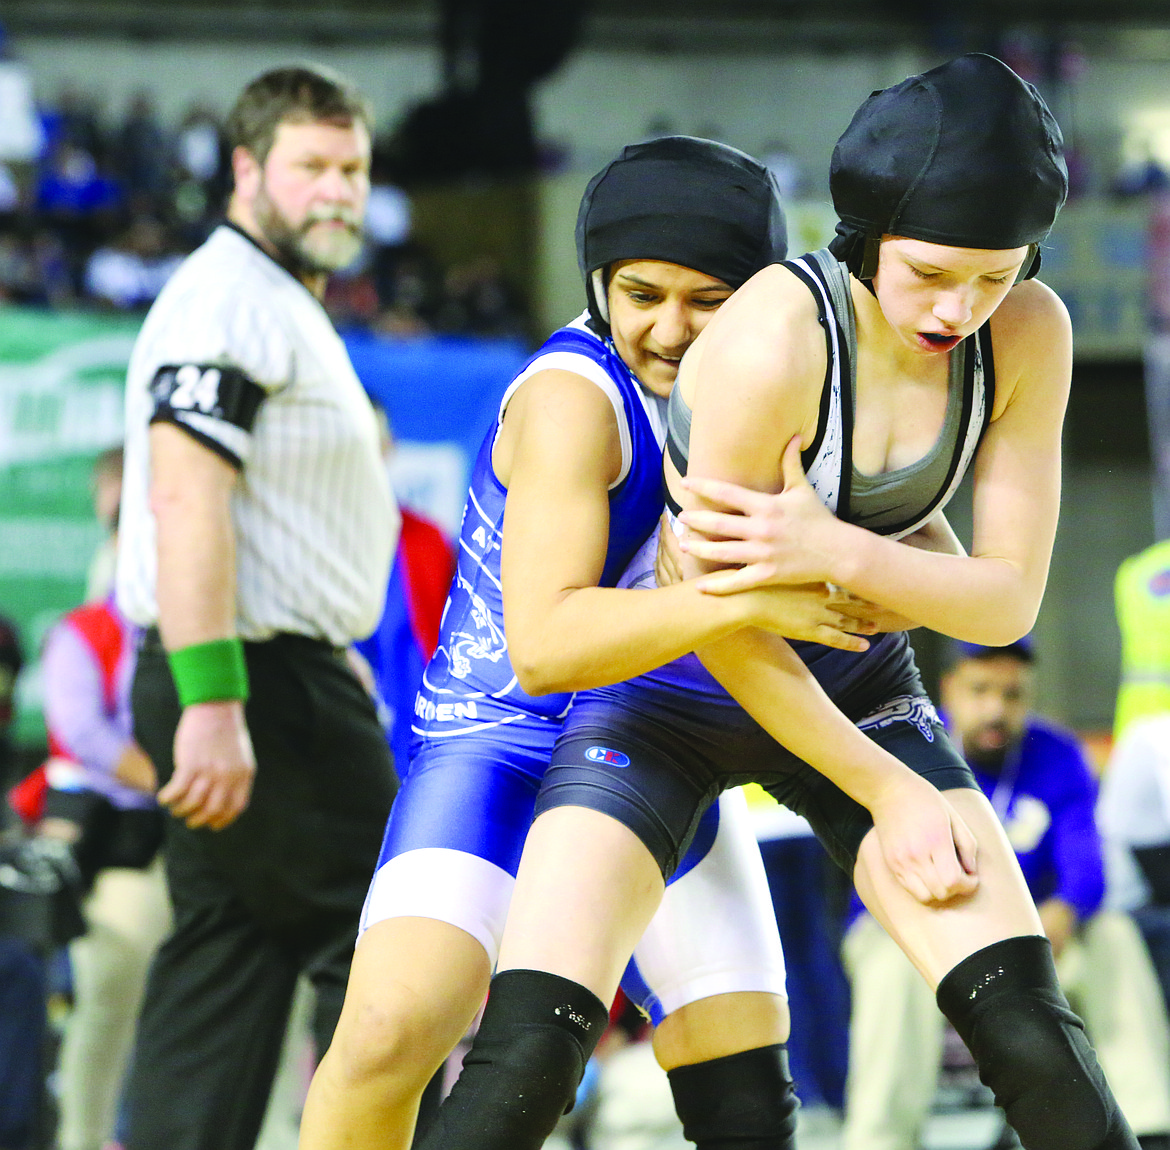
[(1037, 779)]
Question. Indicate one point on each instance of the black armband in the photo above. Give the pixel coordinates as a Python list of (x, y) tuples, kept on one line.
[(215, 404)]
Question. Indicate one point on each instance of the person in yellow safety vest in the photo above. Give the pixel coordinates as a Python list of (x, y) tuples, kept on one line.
[(1142, 596)]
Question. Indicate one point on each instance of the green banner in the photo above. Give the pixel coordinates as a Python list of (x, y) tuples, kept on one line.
[(61, 386)]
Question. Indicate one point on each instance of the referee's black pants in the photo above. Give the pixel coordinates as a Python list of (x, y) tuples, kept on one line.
[(275, 894)]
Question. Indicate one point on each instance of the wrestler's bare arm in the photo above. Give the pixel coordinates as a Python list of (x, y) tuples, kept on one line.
[(990, 596), (557, 454)]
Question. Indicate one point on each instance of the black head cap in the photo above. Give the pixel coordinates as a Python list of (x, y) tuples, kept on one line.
[(683, 200), (967, 154)]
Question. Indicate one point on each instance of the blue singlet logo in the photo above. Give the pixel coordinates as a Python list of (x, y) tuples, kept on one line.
[(608, 757)]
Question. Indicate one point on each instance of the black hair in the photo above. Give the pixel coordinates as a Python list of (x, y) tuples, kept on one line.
[(1021, 650)]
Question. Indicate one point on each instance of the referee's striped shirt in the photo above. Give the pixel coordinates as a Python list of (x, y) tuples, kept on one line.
[(241, 355)]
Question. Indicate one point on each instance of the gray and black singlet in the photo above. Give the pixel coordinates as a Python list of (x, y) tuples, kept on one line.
[(893, 503), (653, 751)]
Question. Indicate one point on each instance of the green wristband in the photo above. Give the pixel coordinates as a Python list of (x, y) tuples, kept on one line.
[(210, 672)]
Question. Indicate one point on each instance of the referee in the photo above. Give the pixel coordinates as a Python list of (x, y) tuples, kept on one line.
[(257, 531)]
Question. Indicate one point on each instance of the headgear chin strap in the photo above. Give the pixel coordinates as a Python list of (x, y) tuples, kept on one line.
[(1031, 265), (597, 293)]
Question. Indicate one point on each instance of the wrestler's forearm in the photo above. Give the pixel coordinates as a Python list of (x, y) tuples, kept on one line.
[(768, 679), (981, 599), (600, 635)]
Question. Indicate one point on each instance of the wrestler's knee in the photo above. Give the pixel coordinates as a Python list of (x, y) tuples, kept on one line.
[(744, 1101), (1031, 1049), (720, 1025), (522, 1072), (394, 1040)]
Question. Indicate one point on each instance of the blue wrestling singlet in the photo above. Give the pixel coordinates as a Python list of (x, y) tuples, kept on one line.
[(469, 685), (481, 746)]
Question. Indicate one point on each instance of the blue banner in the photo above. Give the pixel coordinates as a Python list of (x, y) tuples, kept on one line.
[(441, 394)]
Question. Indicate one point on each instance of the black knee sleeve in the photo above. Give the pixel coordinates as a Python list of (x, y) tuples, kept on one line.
[(1031, 1049), (744, 1101), (522, 1072), (428, 1106)]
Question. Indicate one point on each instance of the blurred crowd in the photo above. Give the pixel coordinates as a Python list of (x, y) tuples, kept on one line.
[(105, 211)]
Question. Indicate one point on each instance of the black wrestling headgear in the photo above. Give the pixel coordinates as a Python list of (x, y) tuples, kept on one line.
[(685, 201), (967, 154)]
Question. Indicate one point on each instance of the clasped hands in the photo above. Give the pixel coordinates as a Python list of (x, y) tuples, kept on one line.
[(781, 542)]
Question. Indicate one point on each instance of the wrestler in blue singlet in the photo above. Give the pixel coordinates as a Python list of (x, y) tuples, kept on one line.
[(480, 743), (477, 735)]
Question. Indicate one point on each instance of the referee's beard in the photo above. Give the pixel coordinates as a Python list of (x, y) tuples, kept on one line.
[(307, 248)]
